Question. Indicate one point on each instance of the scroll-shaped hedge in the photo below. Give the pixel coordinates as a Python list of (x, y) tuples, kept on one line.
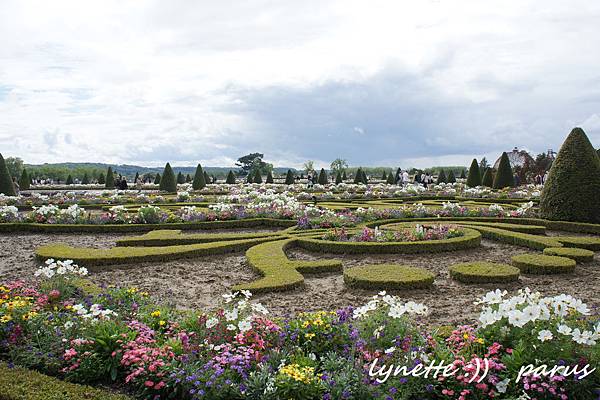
[(543, 264), (582, 242), (470, 239), (277, 270), (125, 255), (166, 237), (388, 277), (579, 255), (535, 242), (484, 272)]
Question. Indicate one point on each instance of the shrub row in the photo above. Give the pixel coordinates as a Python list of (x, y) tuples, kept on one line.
[(278, 272), (531, 229), (582, 242), (484, 272), (23, 384), (388, 277), (579, 255), (125, 255), (470, 239), (535, 242), (543, 264), (168, 237), (110, 228)]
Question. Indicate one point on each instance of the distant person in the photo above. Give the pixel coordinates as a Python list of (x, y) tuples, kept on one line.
[(16, 186), (405, 178), (427, 180), (545, 178), (310, 181)]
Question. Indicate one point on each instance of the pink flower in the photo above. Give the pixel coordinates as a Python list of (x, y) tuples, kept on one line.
[(149, 384)]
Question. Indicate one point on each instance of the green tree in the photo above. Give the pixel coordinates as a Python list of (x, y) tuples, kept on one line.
[(69, 180), (252, 162), (257, 177), (206, 178), (137, 176), (289, 177), (6, 183), (199, 179), (344, 177), (504, 176), (86, 179), (322, 177), (168, 183), (110, 179), (157, 179), (474, 178), (25, 181), (269, 177), (384, 176), (230, 178), (180, 178), (358, 177), (338, 165), (488, 178), (338, 178), (364, 178), (390, 178), (188, 178), (14, 165), (462, 174), (101, 178), (309, 166), (441, 177), (571, 192), (483, 164), (451, 177)]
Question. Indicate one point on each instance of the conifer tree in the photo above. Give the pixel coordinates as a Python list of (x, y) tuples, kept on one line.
[(101, 179), (441, 177), (157, 179), (384, 176), (199, 179), (358, 177), (390, 178), (338, 178), (25, 181), (322, 177), (206, 178), (6, 183), (168, 182), (110, 179), (269, 177), (86, 179), (504, 176), (289, 177), (488, 178), (344, 177), (474, 178), (69, 180), (462, 174), (230, 178), (257, 177), (451, 177), (137, 176)]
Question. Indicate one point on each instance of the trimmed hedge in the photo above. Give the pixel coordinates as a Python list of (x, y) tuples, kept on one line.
[(516, 238), (579, 255), (583, 242), (531, 229), (388, 277), (23, 384), (484, 272), (278, 272), (543, 264), (125, 255), (110, 228), (474, 177), (470, 239), (166, 237), (504, 176)]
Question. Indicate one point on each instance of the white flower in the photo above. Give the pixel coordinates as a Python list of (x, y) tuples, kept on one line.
[(502, 385), (584, 337), (231, 315), (259, 308), (211, 322), (244, 325), (517, 318), (68, 324), (390, 350), (231, 327), (565, 330), (545, 335)]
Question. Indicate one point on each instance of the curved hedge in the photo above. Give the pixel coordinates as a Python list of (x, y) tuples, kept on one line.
[(543, 264), (583, 242), (23, 384), (388, 277), (277, 270), (516, 238), (531, 229), (484, 272), (125, 255), (169, 237), (579, 255), (469, 240)]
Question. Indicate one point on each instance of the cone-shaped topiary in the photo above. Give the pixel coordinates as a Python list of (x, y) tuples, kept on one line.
[(488, 178), (6, 184), (571, 192), (110, 179), (101, 178), (230, 178), (25, 181), (384, 176), (199, 181), (474, 178), (207, 178), (86, 179), (365, 180), (451, 178), (249, 178), (157, 179), (167, 181), (344, 177), (504, 176), (338, 178), (269, 177), (390, 178), (257, 177), (188, 178), (322, 177), (441, 177), (289, 178), (137, 176), (462, 174), (69, 180), (180, 178), (358, 176)]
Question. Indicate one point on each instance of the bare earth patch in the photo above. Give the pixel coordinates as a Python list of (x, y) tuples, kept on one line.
[(199, 283)]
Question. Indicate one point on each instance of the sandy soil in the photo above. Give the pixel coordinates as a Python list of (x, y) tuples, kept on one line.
[(199, 283)]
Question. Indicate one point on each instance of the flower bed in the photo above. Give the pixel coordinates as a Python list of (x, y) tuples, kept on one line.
[(413, 234)]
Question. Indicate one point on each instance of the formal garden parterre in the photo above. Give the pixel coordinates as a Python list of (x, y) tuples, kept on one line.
[(279, 291)]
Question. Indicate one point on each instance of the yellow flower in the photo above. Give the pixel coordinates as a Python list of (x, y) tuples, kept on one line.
[(466, 336), (155, 314), (305, 324), (162, 322), (29, 315), (309, 335), (480, 341), (5, 318)]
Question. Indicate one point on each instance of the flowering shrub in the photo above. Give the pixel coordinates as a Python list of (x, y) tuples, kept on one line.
[(9, 214), (418, 233)]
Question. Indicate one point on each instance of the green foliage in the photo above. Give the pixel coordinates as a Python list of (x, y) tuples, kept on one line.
[(484, 272), (462, 174), (6, 183), (535, 242), (543, 264), (230, 178), (504, 176), (451, 177), (269, 177), (488, 178), (25, 181), (441, 177), (388, 277), (86, 179), (390, 178), (583, 242), (474, 178), (344, 177), (257, 177), (571, 192), (171, 237), (322, 177), (384, 176), (69, 180), (199, 180), (358, 176), (137, 176), (110, 179), (101, 178), (289, 177), (206, 178), (579, 255), (180, 178), (338, 178), (14, 165), (157, 179), (167, 181)]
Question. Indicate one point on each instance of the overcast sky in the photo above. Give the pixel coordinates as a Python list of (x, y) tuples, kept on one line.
[(393, 83)]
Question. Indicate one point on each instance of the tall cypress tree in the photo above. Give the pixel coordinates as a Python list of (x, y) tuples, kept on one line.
[(157, 179), (358, 176), (25, 181), (462, 174), (322, 177), (110, 179), (137, 176), (6, 184), (289, 177), (474, 178), (344, 177), (168, 183), (441, 177), (69, 180), (86, 179), (384, 176), (101, 178), (180, 178), (451, 177), (504, 177), (199, 178), (188, 178), (488, 178), (269, 177), (206, 178), (257, 177), (230, 178), (390, 178), (365, 180)]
